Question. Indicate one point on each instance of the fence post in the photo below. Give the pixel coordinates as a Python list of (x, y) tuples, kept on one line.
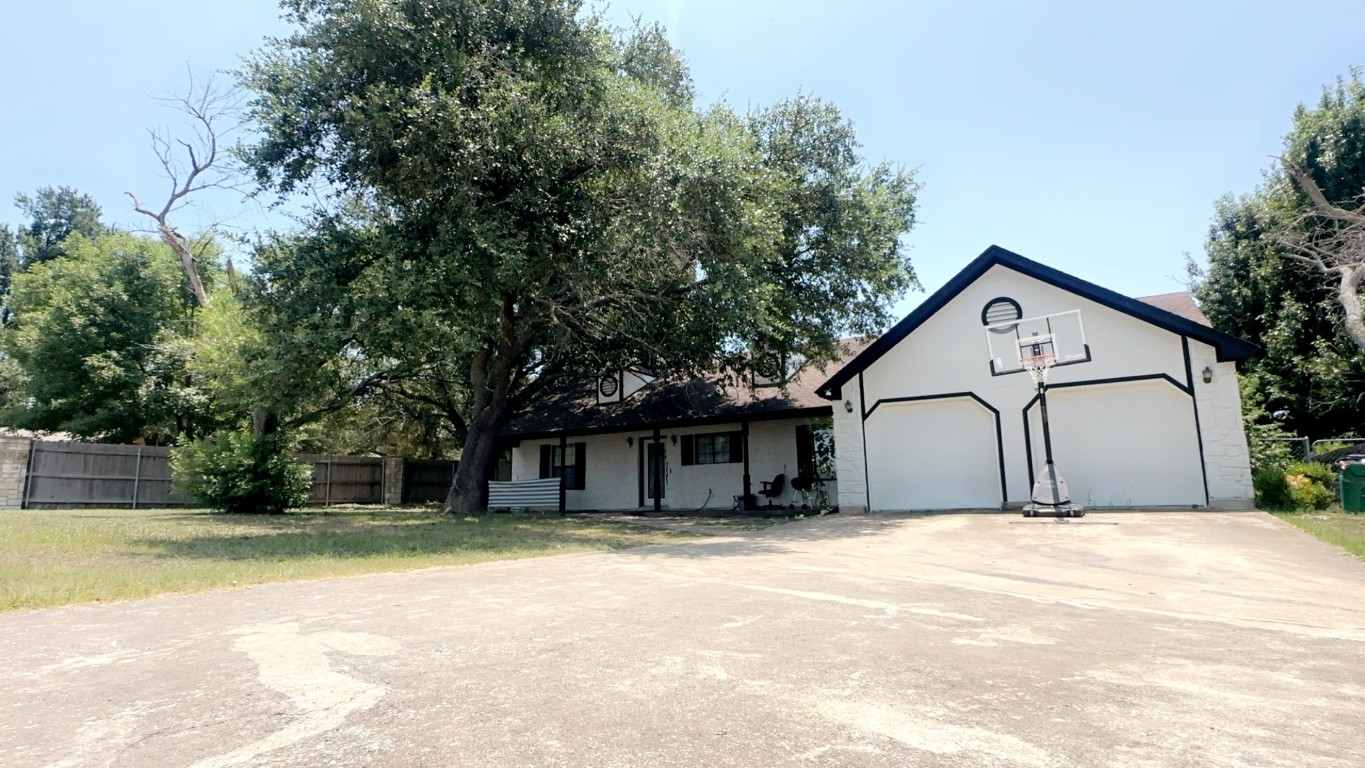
[(28, 475), (327, 499), (137, 475)]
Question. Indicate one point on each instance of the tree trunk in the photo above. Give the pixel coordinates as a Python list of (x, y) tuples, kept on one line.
[(264, 422), (487, 414), (467, 490), (170, 238), (490, 379), (1348, 293)]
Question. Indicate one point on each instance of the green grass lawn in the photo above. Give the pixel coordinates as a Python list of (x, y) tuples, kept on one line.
[(1345, 531), (55, 557)]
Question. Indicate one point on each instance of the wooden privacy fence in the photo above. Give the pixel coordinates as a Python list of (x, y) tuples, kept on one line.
[(426, 480), (59, 474), (345, 480), (98, 475)]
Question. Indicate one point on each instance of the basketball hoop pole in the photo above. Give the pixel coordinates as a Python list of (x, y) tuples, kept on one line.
[(1039, 344), (1047, 437)]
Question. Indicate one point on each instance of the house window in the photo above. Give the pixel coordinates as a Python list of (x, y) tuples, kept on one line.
[(713, 448), (815, 451), (569, 463)]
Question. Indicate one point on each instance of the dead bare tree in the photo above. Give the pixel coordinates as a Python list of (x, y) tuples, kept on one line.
[(1332, 239), (193, 166)]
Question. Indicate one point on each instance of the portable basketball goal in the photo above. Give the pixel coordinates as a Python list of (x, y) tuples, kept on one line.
[(1037, 345)]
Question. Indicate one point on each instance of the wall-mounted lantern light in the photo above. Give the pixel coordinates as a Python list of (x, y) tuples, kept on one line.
[(1208, 375), (848, 406), (673, 438), (630, 442)]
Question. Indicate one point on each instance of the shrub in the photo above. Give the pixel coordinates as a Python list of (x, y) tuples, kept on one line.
[(240, 473), (1320, 473), (1310, 485), (1307, 495), (1272, 492)]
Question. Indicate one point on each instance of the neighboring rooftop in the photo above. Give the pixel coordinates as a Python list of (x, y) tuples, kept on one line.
[(706, 400), (1179, 303)]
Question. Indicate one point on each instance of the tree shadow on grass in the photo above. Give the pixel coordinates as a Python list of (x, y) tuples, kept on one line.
[(343, 537), (417, 534)]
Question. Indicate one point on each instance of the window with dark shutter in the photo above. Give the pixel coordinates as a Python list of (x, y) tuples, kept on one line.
[(580, 467), (689, 450), (545, 461), (736, 447), (805, 451)]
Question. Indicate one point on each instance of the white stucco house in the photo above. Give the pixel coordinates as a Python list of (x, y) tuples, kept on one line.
[(626, 442), (921, 418), (1151, 418)]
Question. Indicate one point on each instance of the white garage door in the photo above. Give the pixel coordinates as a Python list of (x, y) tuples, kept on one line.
[(932, 454), (1124, 445)]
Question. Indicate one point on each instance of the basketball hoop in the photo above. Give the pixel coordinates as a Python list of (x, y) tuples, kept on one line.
[(1038, 366), (1037, 345), (1037, 355)]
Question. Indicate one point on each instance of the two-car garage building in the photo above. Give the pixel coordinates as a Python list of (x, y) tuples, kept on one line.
[(1151, 416)]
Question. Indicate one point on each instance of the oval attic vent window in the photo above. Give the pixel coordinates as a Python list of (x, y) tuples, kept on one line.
[(1001, 310), (608, 386)]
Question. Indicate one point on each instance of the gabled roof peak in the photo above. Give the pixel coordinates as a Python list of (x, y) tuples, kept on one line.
[(1228, 347)]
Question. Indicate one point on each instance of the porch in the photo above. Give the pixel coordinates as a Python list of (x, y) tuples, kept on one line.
[(700, 469)]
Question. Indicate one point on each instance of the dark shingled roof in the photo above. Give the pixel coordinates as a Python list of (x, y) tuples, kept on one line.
[(707, 400), (1179, 303)]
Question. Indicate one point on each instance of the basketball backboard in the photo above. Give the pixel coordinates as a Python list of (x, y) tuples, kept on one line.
[(1056, 339)]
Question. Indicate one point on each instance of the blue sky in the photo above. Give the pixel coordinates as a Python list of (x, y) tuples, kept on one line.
[(1091, 136)]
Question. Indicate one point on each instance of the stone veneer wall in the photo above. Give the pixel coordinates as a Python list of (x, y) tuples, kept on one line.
[(1226, 459), (13, 471), (848, 451), (393, 480)]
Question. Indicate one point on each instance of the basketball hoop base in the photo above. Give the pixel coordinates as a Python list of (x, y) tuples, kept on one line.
[(1066, 509), (1051, 497)]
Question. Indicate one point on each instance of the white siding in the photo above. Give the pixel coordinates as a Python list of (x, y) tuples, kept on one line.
[(1123, 445), (612, 473), (947, 354), (924, 455)]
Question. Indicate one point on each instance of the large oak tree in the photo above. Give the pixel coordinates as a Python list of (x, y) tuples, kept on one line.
[(533, 195)]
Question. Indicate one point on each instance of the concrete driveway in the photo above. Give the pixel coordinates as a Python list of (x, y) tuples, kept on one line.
[(1144, 639)]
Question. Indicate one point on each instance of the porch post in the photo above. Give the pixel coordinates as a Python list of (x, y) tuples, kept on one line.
[(748, 481), (661, 477), (563, 466)]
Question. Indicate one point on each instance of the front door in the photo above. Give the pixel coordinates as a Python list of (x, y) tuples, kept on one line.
[(653, 474)]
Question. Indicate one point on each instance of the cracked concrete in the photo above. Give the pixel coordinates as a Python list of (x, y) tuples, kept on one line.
[(1138, 639)]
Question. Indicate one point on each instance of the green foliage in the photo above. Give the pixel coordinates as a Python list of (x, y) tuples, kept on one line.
[(54, 214), (529, 195), (1306, 495), (9, 264), (240, 473), (1308, 368), (1318, 472), (1271, 490), (1267, 442), (89, 331), (1299, 486)]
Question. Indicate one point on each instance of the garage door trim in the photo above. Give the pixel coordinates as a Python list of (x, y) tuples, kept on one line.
[(1188, 390), (995, 414)]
